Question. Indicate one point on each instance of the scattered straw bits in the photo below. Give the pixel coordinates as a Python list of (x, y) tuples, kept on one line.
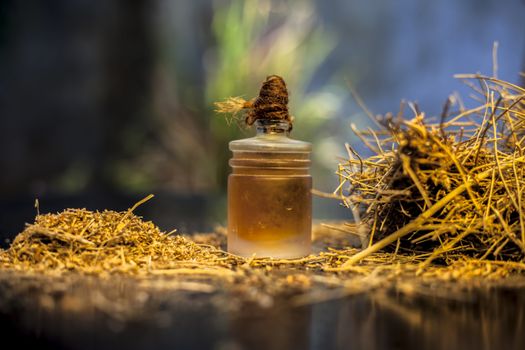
[(104, 242)]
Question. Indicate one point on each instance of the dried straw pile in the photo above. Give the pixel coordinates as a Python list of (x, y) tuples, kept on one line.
[(78, 240), (446, 189)]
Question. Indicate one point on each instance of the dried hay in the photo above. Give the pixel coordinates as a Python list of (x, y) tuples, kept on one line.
[(445, 191), (101, 243)]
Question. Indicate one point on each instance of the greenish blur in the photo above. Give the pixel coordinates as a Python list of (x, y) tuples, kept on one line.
[(255, 39)]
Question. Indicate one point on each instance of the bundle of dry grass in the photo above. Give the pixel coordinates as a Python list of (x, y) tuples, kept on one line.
[(447, 189)]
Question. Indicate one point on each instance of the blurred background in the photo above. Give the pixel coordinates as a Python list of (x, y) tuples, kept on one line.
[(104, 102)]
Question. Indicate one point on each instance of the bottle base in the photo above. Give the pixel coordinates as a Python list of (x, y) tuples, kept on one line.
[(280, 250)]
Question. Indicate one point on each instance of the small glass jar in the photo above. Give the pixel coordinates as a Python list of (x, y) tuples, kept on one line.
[(269, 194)]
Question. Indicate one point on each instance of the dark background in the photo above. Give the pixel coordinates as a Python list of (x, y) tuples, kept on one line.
[(103, 102)]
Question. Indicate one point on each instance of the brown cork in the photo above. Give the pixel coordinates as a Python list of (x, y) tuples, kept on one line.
[(272, 102)]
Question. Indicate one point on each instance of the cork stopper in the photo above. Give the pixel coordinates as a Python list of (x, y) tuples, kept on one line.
[(271, 104)]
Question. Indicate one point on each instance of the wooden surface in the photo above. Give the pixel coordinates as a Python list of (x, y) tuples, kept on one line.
[(89, 313)]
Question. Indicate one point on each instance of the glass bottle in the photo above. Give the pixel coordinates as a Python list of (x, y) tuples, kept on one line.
[(269, 194)]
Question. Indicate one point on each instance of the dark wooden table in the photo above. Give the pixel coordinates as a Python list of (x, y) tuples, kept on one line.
[(121, 313)]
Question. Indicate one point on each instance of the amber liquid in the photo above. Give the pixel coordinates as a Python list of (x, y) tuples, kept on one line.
[(269, 216)]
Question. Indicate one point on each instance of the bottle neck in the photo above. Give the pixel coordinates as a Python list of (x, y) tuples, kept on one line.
[(272, 127)]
